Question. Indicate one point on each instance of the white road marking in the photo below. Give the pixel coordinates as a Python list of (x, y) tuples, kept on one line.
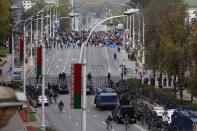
[(139, 127), (60, 59), (95, 116), (107, 57), (76, 123), (57, 66), (66, 61), (69, 117), (64, 111), (103, 123), (112, 130), (52, 63)]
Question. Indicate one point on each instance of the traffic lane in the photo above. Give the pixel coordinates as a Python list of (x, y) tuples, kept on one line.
[(57, 65), (73, 58), (92, 61), (49, 56), (99, 116), (102, 63), (70, 119), (60, 121), (115, 65)]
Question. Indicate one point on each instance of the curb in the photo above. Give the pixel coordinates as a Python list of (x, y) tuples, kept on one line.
[(31, 128)]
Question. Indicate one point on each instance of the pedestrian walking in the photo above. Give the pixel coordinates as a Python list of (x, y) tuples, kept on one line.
[(108, 122)]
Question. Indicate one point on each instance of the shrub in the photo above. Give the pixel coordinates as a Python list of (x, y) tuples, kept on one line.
[(164, 97), (2, 55)]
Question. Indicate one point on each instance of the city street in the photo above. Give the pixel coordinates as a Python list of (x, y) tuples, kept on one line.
[(70, 119), (100, 60)]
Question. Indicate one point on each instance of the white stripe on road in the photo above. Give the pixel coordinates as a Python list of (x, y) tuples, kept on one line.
[(95, 116), (52, 63), (66, 61), (139, 127), (76, 123), (107, 57), (69, 117)]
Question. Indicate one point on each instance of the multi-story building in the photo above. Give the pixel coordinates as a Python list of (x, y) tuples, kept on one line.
[(192, 10), (27, 4)]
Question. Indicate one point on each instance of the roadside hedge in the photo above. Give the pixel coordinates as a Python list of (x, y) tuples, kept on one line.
[(164, 97)]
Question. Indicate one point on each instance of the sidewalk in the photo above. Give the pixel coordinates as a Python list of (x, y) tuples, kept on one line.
[(131, 64)]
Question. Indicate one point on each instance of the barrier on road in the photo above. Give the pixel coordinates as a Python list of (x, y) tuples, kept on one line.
[(98, 81)]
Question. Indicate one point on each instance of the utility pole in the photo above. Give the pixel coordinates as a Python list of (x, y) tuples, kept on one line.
[(43, 75), (133, 31), (50, 24), (31, 55), (24, 57), (37, 30)]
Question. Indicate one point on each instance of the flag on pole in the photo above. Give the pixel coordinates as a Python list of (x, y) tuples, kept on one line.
[(39, 61), (10, 44), (76, 72), (21, 42)]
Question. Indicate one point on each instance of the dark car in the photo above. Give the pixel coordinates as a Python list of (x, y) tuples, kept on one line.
[(121, 111), (64, 89)]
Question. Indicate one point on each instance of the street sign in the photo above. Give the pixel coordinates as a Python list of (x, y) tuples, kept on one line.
[(17, 74)]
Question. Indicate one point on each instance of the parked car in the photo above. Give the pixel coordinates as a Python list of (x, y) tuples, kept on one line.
[(39, 101), (121, 111), (167, 115), (159, 110)]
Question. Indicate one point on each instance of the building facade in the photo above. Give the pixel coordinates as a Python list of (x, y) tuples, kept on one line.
[(192, 10), (16, 8), (27, 4)]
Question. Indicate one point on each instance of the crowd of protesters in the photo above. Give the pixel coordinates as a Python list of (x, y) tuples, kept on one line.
[(75, 39)]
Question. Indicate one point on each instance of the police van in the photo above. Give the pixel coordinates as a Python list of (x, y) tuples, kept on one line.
[(185, 120)]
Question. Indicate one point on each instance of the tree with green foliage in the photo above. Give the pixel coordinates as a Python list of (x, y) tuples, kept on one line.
[(63, 11), (192, 82), (32, 11), (5, 20), (167, 38)]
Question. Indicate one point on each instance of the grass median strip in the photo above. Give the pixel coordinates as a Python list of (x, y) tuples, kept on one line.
[(3, 51), (28, 115)]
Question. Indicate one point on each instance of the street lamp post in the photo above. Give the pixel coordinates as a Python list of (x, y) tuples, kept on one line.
[(143, 31), (83, 61), (143, 38), (13, 42), (43, 75), (31, 56)]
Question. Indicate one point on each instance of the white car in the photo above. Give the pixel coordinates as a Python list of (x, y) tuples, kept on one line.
[(46, 102), (159, 110), (167, 115)]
